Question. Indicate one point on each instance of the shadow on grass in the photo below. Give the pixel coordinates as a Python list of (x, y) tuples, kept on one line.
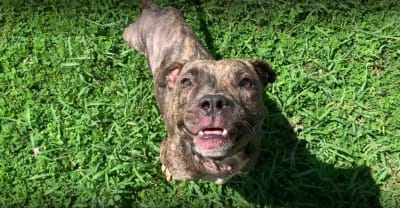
[(204, 27), (287, 174)]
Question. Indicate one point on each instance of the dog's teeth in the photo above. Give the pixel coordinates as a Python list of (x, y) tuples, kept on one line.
[(225, 132), (201, 133)]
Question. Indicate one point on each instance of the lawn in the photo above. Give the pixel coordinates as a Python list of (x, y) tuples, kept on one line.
[(79, 126)]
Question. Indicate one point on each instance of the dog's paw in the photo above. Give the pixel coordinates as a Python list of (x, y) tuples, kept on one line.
[(166, 172)]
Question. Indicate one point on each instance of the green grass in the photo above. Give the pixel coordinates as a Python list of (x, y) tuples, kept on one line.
[(79, 124)]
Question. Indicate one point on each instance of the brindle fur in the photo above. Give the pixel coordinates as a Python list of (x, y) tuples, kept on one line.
[(163, 27), (174, 53)]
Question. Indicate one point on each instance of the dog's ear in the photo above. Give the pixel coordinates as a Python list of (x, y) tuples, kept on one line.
[(168, 75), (264, 71)]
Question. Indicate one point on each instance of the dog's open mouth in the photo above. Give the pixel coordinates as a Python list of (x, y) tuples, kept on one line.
[(211, 138), (212, 142)]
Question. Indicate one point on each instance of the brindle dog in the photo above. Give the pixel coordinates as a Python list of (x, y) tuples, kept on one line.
[(213, 109)]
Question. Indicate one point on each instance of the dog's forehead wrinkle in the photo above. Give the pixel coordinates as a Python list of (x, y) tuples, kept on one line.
[(191, 72)]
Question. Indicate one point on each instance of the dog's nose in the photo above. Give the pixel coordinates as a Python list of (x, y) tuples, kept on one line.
[(213, 104)]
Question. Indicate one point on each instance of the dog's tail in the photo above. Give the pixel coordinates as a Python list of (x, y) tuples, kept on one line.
[(148, 4)]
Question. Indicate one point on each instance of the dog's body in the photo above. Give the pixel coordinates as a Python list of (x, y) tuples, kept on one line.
[(213, 110)]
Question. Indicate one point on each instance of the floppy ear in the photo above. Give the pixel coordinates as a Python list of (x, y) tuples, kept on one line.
[(264, 71), (168, 75)]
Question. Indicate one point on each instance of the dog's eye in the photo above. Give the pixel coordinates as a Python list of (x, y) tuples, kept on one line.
[(186, 82), (246, 84)]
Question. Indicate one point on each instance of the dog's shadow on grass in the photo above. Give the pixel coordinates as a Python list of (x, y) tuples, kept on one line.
[(287, 174)]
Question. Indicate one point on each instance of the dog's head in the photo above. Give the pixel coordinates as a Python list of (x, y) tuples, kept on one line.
[(216, 106)]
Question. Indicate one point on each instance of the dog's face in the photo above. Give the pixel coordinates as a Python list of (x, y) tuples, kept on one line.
[(217, 106)]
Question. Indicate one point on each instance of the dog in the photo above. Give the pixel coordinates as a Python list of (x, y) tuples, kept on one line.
[(213, 109)]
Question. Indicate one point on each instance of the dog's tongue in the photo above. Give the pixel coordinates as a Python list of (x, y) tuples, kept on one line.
[(210, 138)]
